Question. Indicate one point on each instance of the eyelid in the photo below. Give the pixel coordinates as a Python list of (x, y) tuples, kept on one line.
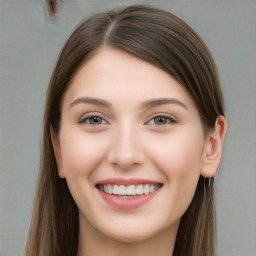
[(91, 114), (168, 116), (172, 119)]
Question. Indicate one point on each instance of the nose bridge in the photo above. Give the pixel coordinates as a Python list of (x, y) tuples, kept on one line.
[(126, 149)]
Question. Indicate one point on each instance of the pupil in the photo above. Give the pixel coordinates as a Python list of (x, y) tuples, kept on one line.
[(96, 120), (160, 120)]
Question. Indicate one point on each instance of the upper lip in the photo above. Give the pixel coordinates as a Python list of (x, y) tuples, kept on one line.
[(127, 181)]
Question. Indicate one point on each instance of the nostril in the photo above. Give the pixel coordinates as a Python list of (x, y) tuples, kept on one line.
[(125, 159)]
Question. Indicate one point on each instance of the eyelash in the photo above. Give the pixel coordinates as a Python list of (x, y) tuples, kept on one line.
[(167, 120), (86, 119)]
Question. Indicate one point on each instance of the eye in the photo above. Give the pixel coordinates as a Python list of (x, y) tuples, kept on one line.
[(93, 120), (162, 120)]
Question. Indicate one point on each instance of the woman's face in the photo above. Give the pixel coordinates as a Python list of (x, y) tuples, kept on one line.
[(131, 147)]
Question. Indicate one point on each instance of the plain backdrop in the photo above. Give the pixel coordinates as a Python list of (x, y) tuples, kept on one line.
[(30, 42)]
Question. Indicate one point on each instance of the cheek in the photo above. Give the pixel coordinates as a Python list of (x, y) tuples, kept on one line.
[(81, 153), (179, 158), (178, 153)]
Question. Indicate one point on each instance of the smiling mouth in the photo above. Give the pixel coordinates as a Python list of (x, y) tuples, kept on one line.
[(129, 191)]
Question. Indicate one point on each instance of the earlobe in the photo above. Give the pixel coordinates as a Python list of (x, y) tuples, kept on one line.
[(213, 148), (57, 151)]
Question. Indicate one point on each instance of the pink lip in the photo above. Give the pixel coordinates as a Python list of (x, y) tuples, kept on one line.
[(127, 203)]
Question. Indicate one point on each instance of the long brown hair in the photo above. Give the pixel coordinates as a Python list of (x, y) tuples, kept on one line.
[(164, 40)]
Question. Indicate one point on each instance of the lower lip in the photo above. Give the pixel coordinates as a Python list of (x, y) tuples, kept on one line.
[(127, 203)]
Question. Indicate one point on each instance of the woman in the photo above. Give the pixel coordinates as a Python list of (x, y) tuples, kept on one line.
[(133, 131)]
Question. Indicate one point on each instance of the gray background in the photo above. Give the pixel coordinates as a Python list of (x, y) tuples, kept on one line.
[(29, 45)]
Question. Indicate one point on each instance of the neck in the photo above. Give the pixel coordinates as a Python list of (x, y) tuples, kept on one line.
[(92, 242)]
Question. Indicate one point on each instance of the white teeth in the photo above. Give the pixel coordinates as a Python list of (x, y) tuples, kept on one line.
[(122, 190), (110, 190), (146, 189), (151, 188), (130, 190), (115, 190), (139, 190)]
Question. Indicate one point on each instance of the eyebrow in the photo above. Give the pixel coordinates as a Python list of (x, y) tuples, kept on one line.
[(162, 101), (94, 101), (144, 105)]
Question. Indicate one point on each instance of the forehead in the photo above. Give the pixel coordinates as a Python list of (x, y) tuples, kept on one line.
[(116, 75)]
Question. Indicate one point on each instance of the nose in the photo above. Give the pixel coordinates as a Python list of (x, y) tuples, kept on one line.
[(126, 149)]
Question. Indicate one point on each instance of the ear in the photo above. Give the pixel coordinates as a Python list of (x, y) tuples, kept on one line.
[(57, 151), (213, 148)]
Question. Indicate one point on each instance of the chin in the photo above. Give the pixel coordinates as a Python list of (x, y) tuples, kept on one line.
[(130, 238), (137, 233)]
